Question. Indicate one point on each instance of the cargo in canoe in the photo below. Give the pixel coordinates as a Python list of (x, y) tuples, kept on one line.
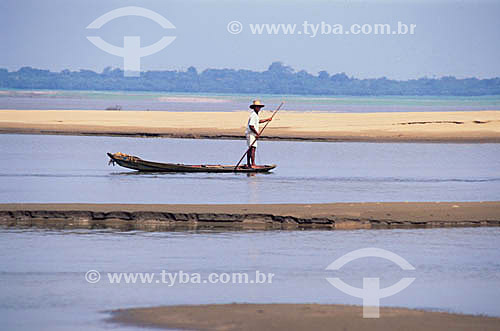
[(136, 163)]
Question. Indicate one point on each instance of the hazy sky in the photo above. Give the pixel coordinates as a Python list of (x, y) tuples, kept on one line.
[(460, 38)]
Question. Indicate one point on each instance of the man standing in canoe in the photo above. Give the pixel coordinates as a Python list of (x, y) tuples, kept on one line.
[(252, 131)]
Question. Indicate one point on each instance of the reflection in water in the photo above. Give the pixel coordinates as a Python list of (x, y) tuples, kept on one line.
[(253, 188)]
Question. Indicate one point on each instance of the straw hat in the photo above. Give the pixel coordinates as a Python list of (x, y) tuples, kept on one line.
[(256, 103)]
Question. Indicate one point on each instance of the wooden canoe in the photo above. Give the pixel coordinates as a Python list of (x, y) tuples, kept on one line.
[(136, 163)]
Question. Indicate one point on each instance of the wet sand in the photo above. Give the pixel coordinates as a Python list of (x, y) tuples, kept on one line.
[(331, 216), (470, 126), (297, 317)]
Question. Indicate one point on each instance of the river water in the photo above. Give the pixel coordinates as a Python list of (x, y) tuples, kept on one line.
[(43, 285), (130, 100), (49, 168), (42, 272)]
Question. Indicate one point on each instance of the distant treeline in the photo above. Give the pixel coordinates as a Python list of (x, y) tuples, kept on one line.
[(277, 79)]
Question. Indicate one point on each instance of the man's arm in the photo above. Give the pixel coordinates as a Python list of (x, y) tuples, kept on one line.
[(265, 120), (252, 128)]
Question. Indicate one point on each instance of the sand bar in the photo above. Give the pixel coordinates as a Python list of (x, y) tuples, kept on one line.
[(470, 126), (297, 317), (162, 217)]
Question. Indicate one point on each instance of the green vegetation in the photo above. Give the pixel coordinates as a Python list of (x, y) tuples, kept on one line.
[(277, 79)]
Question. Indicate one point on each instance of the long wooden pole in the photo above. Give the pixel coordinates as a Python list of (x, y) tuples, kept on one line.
[(276, 111)]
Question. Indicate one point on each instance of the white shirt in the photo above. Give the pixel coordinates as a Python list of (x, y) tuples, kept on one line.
[(254, 121)]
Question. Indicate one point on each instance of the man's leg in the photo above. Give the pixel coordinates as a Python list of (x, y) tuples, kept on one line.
[(249, 157), (249, 143), (253, 156)]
